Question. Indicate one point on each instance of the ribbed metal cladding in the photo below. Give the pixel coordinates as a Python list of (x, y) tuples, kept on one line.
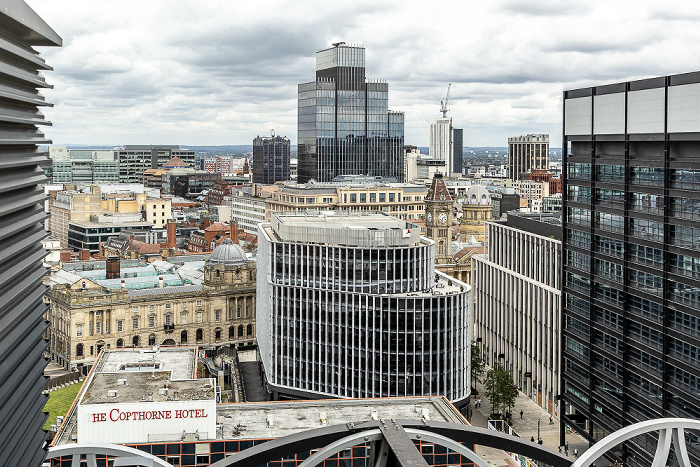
[(22, 218)]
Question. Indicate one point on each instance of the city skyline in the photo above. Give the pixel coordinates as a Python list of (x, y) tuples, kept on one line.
[(233, 75)]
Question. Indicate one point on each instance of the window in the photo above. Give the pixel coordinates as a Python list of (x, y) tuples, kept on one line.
[(199, 303), (79, 350), (184, 305), (183, 317), (151, 322), (372, 197), (363, 197), (151, 307), (120, 325), (135, 309), (98, 327), (135, 322), (392, 197), (353, 197), (168, 320), (238, 312), (79, 330), (218, 315), (382, 197), (199, 316), (168, 306), (249, 330)]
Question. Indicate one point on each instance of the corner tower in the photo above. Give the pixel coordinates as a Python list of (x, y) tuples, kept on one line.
[(438, 219)]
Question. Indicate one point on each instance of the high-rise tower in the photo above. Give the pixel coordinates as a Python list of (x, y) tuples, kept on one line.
[(631, 279), (526, 153), (344, 125), (270, 159), (446, 144)]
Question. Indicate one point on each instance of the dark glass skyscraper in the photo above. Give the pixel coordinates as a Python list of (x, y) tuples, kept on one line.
[(631, 295), (270, 159), (344, 125)]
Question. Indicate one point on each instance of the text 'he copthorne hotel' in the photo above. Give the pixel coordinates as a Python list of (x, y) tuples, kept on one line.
[(350, 305)]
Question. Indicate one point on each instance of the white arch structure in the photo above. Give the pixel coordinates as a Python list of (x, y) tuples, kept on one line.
[(376, 435), (92, 450), (670, 430)]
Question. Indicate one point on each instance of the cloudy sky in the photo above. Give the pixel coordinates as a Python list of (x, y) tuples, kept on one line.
[(205, 72)]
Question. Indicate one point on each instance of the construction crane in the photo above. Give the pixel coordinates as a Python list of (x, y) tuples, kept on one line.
[(443, 104)]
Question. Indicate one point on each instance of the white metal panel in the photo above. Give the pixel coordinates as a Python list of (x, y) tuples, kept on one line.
[(578, 116), (684, 108), (609, 114), (108, 423), (645, 111)]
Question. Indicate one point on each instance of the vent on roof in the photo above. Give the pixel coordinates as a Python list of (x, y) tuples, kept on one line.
[(121, 382), (112, 393)]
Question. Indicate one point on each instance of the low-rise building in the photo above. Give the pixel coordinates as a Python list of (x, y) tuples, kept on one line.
[(185, 300), (402, 200), (151, 399)]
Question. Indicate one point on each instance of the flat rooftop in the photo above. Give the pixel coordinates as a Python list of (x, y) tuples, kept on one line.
[(139, 383), (350, 228), (253, 420), (179, 361)]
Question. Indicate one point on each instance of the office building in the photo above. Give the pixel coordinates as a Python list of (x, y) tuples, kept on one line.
[(350, 305), (208, 301), (188, 183), (152, 399), (247, 210), (271, 156), (631, 295), (526, 153), (345, 126), (134, 160), (517, 295), (22, 218), (86, 166), (219, 164), (446, 144), (402, 200)]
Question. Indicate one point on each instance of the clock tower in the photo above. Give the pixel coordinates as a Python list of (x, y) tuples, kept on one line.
[(438, 219)]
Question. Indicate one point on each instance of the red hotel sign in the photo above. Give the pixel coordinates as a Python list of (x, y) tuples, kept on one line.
[(117, 415)]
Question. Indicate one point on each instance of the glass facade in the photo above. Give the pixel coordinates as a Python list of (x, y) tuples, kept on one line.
[(271, 156), (344, 123), (352, 320), (632, 288)]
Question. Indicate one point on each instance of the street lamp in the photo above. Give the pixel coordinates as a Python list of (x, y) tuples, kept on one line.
[(538, 430)]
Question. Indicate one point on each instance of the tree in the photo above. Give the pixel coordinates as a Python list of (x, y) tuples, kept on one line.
[(499, 388), (477, 367)]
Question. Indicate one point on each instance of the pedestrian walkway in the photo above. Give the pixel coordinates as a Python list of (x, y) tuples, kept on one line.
[(527, 427)]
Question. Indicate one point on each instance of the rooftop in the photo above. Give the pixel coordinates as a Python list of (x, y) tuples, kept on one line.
[(352, 228), (143, 382), (277, 419)]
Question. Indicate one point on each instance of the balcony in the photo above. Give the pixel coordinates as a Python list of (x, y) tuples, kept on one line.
[(169, 327)]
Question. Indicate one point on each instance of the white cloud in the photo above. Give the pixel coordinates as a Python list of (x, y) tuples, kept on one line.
[(207, 72)]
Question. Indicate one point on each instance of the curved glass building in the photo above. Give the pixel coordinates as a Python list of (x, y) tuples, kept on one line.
[(350, 305)]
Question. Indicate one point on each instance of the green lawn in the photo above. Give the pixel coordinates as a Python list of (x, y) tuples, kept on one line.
[(59, 402)]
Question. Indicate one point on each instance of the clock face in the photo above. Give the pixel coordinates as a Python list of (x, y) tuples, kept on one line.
[(430, 217), (443, 218)]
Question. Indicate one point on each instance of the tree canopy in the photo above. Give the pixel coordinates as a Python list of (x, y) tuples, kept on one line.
[(499, 388)]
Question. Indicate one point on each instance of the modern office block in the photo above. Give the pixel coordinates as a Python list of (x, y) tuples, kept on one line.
[(350, 305), (134, 160), (22, 229), (83, 165), (345, 126), (271, 156), (631, 296), (446, 144), (526, 153), (517, 295)]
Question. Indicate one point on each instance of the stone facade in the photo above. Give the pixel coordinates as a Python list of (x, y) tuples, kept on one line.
[(86, 316)]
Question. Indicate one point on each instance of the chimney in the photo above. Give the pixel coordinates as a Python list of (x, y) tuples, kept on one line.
[(84, 254), (113, 267), (171, 227), (65, 256), (234, 232), (160, 282), (123, 284)]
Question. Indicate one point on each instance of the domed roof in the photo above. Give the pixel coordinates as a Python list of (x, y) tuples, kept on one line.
[(228, 254), (478, 195)]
